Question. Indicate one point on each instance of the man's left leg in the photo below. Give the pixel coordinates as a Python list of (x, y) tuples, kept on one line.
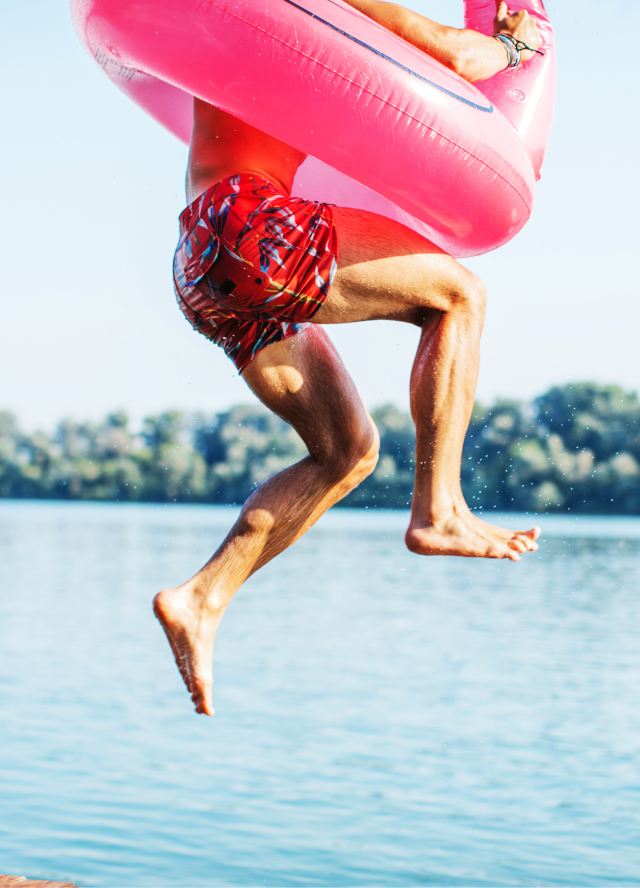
[(388, 271), (304, 381)]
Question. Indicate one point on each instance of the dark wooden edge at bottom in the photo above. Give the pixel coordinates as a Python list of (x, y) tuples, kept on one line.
[(23, 882)]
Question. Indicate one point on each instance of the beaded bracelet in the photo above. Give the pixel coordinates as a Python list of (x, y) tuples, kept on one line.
[(514, 48)]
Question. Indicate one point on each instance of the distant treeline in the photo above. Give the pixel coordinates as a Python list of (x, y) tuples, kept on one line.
[(575, 447)]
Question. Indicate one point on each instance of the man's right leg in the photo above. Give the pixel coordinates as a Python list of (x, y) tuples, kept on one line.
[(387, 271), (304, 381)]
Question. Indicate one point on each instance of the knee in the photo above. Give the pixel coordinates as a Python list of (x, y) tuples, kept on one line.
[(469, 294), (354, 458), (364, 458)]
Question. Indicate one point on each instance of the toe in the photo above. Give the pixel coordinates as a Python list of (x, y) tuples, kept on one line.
[(207, 704), (531, 535), (203, 707), (202, 697), (529, 544), (527, 541)]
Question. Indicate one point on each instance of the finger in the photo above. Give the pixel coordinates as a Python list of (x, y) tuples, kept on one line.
[(502, 10)]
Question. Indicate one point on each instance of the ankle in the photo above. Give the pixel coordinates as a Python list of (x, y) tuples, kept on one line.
[(435, 514), (195, 597), (211, 601)]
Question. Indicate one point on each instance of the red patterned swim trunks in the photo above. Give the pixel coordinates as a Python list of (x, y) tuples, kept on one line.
[(253, 265)]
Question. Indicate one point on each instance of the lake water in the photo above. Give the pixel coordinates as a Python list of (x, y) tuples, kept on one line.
[(382, 719)]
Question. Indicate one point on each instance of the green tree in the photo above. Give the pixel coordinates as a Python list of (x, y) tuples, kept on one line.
[(576, 447), (171, 469), (242, 448), (596, 464)]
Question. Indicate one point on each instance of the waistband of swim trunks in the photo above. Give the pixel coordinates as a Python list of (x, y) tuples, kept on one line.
[(240, 183), (243, 182)]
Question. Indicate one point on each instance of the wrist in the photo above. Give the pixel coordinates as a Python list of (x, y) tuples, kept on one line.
[(514, 48), (511, 48)]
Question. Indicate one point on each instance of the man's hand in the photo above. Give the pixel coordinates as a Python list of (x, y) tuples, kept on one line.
[(472, 55), (520, 25)]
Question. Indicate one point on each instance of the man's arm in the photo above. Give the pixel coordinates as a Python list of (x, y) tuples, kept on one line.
[(472, 55)]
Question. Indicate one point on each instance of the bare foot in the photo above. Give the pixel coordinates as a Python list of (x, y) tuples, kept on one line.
[(190, 625), (463, 533)]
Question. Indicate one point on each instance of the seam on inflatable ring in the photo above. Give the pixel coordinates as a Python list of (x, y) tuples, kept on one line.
[(527, 203), (382, 55)]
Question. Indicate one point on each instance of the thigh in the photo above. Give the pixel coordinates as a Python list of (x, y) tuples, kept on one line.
[(387, 271), (304, 381)]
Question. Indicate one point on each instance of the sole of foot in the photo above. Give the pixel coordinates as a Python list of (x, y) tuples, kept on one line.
[(190, 633)]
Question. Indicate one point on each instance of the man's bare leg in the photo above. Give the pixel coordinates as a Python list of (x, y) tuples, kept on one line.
[(443, 383), (388, 271), (304, 381)]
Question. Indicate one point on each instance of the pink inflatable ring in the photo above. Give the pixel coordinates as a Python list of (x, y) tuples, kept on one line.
[(386, 128)]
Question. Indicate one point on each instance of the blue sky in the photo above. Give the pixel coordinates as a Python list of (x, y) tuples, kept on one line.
[(91, 189)]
